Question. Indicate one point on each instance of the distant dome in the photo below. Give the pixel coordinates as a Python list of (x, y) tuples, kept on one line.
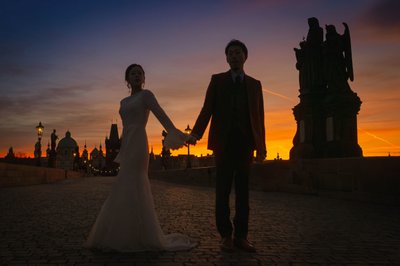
[(67, 142)]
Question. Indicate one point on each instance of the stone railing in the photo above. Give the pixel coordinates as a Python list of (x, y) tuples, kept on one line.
[(25, 175), (374, 179)]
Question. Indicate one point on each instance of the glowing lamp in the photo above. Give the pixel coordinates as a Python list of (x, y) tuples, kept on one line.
[(188, 130), (39, 129)]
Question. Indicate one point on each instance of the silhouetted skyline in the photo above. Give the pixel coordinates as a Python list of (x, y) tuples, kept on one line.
[(63, 64)]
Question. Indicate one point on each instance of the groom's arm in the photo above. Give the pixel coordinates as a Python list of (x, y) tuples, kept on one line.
[(206, 112), (261, 152)]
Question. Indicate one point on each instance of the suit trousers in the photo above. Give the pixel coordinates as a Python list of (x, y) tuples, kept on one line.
[(233, 164)]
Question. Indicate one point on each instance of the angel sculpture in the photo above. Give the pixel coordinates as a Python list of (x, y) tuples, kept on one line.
[(338, 63)]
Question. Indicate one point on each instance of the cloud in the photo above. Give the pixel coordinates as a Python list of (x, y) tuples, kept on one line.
[(58, 97), (7, 71), (384, 14), (11, 69), (257, 5), (6, 104), (57, 107), (381, 21)]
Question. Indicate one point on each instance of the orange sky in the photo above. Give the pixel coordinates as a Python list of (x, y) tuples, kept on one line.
[(69, 75)]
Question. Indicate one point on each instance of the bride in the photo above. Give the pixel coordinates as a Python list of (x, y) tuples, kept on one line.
[(127, 221)]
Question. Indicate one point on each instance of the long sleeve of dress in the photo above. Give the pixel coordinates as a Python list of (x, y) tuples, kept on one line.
[(175, 138), (152, 104)]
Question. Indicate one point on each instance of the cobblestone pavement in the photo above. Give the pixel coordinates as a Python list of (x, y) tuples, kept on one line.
[(47, 224)]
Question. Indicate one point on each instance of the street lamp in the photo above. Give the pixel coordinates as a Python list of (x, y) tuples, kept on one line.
[(75, 162), (38, 145), (188, 130)]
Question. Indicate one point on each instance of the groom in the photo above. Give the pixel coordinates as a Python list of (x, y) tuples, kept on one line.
[(234, 100)]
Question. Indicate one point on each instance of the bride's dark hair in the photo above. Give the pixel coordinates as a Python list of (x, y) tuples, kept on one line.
[(129, 69)]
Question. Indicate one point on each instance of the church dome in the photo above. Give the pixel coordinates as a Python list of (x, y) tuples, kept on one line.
[(67, 142)]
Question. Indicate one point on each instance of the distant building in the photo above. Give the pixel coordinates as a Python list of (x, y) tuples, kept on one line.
[(85, 155), (152, 156), (83, 163), (67, 153), (10, 157), (113, 144), (180, 161), (97, 160)]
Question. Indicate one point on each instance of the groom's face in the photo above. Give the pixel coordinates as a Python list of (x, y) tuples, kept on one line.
[(235, 58)]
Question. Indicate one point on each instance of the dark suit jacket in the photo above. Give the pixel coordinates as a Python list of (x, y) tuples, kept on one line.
[(217, 106)]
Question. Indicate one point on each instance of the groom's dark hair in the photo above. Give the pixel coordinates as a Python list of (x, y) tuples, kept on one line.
[(236, 43)]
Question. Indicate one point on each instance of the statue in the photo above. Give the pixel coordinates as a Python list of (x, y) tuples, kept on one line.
[(326, 116), (338, 64), (52, 154), (54, 138), (309, 59)]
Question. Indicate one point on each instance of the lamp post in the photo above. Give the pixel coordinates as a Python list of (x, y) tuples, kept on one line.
[(75, 164), (188, 130), (38, 146)]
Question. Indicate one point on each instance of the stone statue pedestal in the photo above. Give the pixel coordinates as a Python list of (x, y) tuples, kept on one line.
[(309, 139), (341, 125), (52, 159), (326, 126)]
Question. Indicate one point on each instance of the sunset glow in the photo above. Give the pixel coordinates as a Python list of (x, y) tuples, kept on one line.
[(63, 64)]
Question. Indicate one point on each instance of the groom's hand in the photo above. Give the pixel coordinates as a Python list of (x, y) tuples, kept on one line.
[(191, 140)]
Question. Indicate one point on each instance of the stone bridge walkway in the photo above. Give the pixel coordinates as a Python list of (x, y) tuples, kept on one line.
[(47, 224)]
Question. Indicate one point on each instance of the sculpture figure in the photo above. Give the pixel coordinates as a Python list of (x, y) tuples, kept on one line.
[(338, 65), (54, 138), (309, 59)]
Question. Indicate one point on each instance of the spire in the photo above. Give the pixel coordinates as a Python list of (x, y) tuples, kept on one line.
[(152, 156), (114, 137)]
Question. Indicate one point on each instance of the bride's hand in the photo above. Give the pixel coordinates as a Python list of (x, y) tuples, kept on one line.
[(175, 139), (191, 140)]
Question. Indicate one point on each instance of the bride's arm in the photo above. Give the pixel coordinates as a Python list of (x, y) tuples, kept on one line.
[(175, 138), (155, 108)]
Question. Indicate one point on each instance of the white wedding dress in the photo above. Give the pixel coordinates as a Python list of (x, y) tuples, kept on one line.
[(127, 221)]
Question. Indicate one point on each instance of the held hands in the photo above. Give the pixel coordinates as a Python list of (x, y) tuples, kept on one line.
[(191, 140)]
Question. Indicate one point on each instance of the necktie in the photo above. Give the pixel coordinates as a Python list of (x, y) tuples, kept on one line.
[(238, 80), (235, 91)]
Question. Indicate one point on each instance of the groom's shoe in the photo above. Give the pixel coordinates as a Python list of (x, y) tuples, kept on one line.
[(227, 244), (244, 244)]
